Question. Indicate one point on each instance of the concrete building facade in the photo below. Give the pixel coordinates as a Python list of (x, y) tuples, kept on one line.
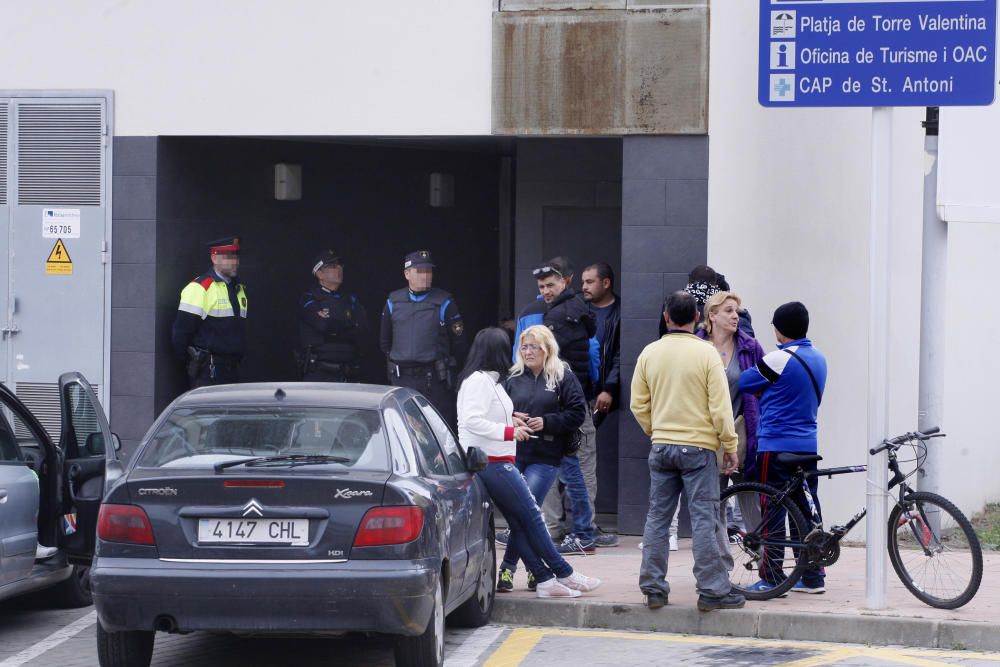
[(618, 130)]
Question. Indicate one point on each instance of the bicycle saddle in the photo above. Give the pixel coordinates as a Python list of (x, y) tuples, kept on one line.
[(791, 459)]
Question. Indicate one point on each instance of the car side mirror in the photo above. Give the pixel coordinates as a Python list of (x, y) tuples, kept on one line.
[(476, 459), (94, 444), (116, 441)]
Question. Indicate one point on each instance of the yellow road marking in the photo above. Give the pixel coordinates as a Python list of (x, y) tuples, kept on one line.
[(516, 648), (521, 641)]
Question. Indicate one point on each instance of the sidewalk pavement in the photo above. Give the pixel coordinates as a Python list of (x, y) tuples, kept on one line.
[(835, 616)]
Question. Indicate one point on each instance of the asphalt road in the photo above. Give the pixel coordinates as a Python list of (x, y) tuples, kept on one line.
[(34, 636)]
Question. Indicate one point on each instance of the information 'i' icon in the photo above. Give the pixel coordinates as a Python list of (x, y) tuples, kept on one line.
[(782, 55)]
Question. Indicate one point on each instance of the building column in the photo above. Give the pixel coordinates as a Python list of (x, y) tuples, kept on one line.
[(133, 288), (664, 235)]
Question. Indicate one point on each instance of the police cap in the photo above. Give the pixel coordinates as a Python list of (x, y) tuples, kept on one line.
[(324, 258), (228, 245), (418, 259)]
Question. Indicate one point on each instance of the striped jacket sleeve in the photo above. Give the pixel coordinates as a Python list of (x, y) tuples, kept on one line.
[(767, 371)]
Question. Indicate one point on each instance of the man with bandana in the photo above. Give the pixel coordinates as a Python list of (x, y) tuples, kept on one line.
[(703, 282)]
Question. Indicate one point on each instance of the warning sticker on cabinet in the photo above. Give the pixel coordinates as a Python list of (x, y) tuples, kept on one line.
[(59, 262)]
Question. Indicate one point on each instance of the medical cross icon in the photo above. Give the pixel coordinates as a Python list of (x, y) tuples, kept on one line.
[(782, 88)]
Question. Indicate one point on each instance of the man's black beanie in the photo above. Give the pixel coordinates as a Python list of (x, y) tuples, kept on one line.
[(792, 320)]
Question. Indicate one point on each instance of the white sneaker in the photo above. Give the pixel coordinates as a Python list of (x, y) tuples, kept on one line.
[(44, 553), (673, 543), (580, 582), (554, 589)]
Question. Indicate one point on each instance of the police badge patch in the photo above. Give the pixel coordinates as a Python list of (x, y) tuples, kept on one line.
[(458, 328)]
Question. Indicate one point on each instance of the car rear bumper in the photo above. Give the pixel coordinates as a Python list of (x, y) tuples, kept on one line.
[(394, 597)]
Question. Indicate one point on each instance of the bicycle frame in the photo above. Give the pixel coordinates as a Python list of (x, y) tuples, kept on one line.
[(802, 477)]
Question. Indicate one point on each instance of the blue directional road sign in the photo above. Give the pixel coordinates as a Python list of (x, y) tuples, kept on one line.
[(840, 53)]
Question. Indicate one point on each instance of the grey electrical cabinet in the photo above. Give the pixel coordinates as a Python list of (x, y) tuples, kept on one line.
[(55, 231)]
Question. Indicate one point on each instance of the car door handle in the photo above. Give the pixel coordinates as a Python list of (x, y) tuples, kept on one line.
[(3, 496)]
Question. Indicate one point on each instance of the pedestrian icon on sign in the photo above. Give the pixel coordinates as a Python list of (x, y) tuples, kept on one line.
[(782, 55), (783, 24)]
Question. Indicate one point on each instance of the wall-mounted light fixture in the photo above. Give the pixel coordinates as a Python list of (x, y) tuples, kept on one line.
[(442, 190), (288, 182)]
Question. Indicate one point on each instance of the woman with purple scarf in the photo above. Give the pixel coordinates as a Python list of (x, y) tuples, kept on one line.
[(739, 351)]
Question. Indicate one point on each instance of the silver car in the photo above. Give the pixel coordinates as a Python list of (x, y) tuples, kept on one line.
[(50, 494)]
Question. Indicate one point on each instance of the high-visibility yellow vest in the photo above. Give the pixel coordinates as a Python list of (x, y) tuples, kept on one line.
[(210, 298)]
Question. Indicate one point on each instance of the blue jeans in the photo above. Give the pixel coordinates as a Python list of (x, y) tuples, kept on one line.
[(672, 469), (528, 535), (571, 475), (539, 478)]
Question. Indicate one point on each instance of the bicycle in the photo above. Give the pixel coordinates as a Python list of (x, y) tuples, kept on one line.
[(932, 546)]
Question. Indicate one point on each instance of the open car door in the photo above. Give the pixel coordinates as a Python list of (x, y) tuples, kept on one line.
[(90, 465)]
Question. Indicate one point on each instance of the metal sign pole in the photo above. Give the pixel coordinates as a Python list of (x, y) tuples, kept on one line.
[(878, 352)]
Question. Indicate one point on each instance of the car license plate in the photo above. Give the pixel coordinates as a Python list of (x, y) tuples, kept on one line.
[(254, 531)]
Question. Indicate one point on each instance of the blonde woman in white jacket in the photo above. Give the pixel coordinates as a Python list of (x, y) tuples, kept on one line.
[(485, 420)]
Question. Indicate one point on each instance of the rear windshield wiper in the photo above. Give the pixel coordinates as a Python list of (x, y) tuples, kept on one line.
[(289, 460)]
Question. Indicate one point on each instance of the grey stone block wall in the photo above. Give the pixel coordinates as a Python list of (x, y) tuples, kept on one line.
[(133, 288), (664, 234)]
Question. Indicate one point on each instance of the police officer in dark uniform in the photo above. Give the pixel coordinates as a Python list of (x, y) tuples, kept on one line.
[(423, 335), (209, 332), (332, 325)]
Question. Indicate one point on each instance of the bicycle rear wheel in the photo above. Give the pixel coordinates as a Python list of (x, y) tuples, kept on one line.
[(934, 550), (766, 547)]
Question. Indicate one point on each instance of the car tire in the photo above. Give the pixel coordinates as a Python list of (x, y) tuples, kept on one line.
[(426, 650), (477, 610), (74, 591), (133, 648)]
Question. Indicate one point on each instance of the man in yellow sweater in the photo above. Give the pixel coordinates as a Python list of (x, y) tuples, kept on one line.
[(680, 397)]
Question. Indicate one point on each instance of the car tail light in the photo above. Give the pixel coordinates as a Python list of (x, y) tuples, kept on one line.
[(124, 523), (389, 525)]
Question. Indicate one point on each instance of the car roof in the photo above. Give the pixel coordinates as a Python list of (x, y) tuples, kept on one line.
[(328, 394)]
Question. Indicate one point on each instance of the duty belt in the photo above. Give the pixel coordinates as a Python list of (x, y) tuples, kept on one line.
[(414, 370)]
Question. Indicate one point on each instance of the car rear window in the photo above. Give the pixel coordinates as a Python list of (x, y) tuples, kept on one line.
[(203, 437)]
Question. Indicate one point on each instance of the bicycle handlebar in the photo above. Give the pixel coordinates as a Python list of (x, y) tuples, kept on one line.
[(894, 443)]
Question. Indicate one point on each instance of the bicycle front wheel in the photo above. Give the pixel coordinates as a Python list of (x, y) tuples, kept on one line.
[(765, 540), (934, 550)]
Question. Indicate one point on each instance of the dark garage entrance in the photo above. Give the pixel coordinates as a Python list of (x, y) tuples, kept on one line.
[(516, 202)]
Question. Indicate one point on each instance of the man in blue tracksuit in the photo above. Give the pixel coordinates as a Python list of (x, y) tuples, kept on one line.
[(790, 382)]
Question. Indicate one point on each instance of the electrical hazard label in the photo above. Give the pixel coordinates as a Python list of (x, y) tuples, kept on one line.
[(59, 262)]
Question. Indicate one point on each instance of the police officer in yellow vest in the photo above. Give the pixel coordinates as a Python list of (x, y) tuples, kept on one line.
[(423, 335), (209, 332)]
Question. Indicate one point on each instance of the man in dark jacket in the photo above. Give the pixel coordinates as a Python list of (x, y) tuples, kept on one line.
[(565, 312), (332, 326), (598, 287), (599, 292)]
